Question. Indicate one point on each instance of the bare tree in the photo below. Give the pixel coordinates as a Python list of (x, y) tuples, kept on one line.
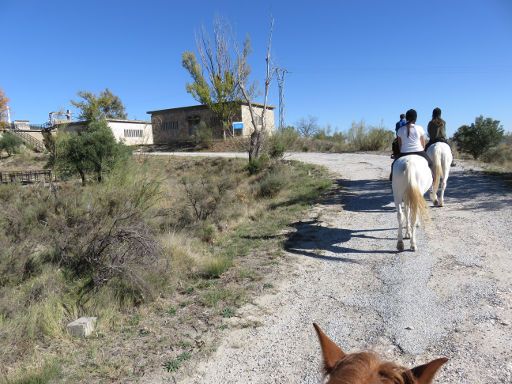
[(257, 135), (308, 126)]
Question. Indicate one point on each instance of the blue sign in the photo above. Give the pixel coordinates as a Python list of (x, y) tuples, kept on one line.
[(238, 125)]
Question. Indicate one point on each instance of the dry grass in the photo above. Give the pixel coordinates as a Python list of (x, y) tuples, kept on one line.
[(205, 265), (25, 160)]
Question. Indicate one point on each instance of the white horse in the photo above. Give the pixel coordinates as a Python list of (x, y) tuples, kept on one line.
[(442, 157), (411, 179)]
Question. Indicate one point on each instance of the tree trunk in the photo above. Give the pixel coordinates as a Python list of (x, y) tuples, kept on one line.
[(255, 145), (82, 176)]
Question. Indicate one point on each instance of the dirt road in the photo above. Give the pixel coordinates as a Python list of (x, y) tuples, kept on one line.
[(453, 297)]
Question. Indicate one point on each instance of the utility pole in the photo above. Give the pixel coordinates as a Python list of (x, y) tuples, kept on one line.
[(280, 73)]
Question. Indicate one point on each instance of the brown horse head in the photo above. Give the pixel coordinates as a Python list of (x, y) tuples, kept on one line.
[(367, 368)]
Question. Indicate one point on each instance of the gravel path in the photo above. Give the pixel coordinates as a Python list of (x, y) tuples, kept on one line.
[(453, 297)]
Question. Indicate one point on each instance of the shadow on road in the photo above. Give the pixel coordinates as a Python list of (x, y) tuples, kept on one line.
[(312, 240), (486, 191), (477, 190)]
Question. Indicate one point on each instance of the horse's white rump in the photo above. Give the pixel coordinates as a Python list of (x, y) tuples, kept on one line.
[(441, 155), (411, 179)]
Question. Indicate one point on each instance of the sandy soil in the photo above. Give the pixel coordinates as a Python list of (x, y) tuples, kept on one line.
[(453, 297)]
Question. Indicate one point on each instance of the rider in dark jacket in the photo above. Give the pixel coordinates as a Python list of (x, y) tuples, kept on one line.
[(436, 129)]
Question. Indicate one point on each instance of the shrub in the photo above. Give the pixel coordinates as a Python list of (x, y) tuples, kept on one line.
[(287, 137), (204, 193), (203, 135), (362, 138), (378, 139), (272, 182), (276, 148), (481, 135), (501, 154), (105, 239), (207, 232), (257, 165), (215, 266), (10, 143)]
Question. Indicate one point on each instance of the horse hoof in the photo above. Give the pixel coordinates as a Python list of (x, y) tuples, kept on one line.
[(413, 248), (436, 203), (400, 246)]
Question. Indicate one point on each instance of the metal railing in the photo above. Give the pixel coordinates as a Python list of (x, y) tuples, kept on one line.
[(26, 177), (29, 139)]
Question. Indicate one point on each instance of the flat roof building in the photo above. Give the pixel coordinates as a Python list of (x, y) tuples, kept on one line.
[(180, 124)]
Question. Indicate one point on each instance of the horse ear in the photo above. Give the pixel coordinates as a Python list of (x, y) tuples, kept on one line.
[(425, 373), (331, 352)]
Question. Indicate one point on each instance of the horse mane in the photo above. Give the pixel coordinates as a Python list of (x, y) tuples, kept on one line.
[(367, 368)]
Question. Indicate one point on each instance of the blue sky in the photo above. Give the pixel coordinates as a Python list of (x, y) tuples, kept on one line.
[(348, 60)]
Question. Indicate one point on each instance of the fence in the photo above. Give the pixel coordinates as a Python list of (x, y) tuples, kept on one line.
[(26, 177)]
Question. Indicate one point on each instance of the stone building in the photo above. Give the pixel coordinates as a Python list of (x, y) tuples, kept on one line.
[(179, 124)]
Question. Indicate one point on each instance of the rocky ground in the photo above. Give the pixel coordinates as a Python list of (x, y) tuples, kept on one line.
[(452, 297)]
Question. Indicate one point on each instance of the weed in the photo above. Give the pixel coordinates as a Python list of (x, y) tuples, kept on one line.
[(248, 274), (183, 344), (42, 375), (189, 290), (174, 364), (214, 267), (213, 297), (134, 320), (172, 311), (228, 312)]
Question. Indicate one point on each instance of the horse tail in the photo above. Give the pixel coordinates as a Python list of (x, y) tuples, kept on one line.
[(438, 168), (413, 198)]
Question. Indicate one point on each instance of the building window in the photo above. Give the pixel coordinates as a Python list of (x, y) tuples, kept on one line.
[(215, 121), (169, 125), (258, 120), (133, 133)]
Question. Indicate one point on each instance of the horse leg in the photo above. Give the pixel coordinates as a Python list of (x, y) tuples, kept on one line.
[(413, 237), (443, 185), (433, 195), (407, 221), (399, 214), (441, 197)]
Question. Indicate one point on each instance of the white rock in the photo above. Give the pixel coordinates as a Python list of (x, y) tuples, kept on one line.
[(82, 327)]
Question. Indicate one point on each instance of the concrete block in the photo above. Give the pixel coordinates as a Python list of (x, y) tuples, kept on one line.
[(82, 327)]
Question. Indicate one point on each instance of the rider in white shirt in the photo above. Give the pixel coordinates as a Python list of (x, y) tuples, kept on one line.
[(411, 138)]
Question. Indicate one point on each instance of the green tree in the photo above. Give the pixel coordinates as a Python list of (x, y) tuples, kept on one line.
[(10, 143), (214, 79), (50, 145), (72, 155), (92, 150), (478, 137), (104, 106)]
